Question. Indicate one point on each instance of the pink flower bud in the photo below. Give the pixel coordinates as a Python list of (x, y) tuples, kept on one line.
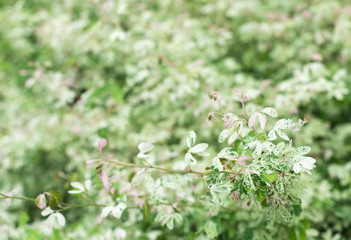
[(102, 144), (40, 201), (245, 97)]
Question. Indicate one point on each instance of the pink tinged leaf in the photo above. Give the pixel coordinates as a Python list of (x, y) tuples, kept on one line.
[(236, 196), (270, 111), (241, 163), (262, 119), (103, 177), (122, 189), (102, 144), (112, 190), (10, 194), (98, 219), (41, 201), (245, 97), (243, 158), (252, 119)]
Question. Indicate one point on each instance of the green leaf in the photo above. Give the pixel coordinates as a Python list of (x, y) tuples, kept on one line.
[(103, 132), (261, 192), (269, 176), (211, 229), (53, 198), (23, 219), (292, 234), (285, 213), (146, 211)]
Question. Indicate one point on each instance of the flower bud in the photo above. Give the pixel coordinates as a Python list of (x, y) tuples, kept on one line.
[(40, 201)]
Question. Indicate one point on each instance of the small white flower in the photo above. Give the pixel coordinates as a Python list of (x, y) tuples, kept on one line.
[(116, 211)]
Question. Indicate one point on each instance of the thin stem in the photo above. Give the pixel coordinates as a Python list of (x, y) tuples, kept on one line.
[(124, 164), (4, 196), (253, 128)]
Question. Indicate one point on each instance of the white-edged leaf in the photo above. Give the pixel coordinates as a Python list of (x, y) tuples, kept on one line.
[(284, 124), (303, 150), (60, 219), (271, 135), (281, 145), (220, 187), (88, 184), (203, 154), (190, 139), (282, 134), (146, 147), (228, 153), (271, 147), (199, 148), (232, 138), (118, 210), (258, 150), (49, 222), (170, 223), (178, 218), (190, 160), (79, 186), (216, 198), (262, 119), (75, 191), (252, 119), (308, 163), (297, 168), (224, 134), (106, 211), (46, 211), (240, 127), (217, 163), (270, 111)]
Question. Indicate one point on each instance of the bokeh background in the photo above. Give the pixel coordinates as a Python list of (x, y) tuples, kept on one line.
[(73, 72)]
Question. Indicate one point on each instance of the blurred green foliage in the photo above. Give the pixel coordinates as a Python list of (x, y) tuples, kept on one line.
[(72, 72)]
